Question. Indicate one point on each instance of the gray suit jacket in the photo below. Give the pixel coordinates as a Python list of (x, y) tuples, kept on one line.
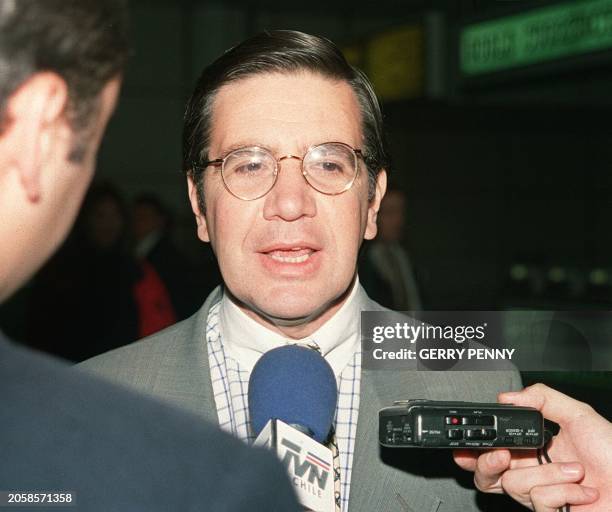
[(173, 365)]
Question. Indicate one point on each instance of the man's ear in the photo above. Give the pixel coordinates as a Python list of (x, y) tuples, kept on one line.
[(195, 207), (35, 111), (379, 193)]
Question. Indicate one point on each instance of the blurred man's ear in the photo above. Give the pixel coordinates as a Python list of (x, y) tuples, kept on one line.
[(374, 207), (34, 127), (195, 207)]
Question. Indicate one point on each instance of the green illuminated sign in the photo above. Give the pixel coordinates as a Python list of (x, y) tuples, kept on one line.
[(536, 36)]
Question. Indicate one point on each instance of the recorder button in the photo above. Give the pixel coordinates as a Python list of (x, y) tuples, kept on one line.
[(481, 433), (473, 434), (485, 421), (454, 434), (451, 420), (489, 433)]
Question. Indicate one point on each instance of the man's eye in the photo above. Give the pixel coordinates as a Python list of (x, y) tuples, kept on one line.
[(330, 167), (249, 168)]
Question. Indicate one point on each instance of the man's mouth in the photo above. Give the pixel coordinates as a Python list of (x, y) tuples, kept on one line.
[(300, 253), (293, 255)]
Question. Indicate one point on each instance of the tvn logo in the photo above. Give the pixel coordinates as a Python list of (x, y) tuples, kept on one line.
[(308, 471)]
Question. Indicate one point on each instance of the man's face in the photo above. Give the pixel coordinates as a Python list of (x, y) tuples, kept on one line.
[(290, 255), (105, 223)]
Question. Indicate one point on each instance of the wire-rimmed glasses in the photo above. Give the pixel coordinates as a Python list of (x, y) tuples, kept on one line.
[(250, 173)]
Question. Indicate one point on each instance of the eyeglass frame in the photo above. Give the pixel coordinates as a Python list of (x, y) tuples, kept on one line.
[(221, 161)]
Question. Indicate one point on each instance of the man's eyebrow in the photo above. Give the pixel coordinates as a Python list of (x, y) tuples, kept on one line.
[(243, 145), (226, 150)]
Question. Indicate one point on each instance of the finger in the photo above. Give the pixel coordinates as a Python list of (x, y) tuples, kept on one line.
[(554, 405), (519, 482), (549, 498), (466, 459), (489, 468)]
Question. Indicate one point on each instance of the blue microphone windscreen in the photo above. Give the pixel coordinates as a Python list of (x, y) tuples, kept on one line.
[(296, 385)]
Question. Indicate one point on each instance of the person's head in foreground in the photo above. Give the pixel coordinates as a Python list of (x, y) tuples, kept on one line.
[(60, 69)]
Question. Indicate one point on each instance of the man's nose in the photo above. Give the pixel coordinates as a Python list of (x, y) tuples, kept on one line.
[(291, 197)]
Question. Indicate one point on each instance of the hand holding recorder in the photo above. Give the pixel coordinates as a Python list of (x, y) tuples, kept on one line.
[(580, 471)]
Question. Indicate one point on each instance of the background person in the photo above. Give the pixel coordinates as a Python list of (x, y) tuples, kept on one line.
[(95, 275), (170, 286), (385, 268)]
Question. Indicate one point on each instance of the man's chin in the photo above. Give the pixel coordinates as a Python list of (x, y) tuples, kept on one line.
[(296, 319), (291, 309), (289, 316)]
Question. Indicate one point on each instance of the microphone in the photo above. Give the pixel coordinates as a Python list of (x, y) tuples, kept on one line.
[(292, 402)]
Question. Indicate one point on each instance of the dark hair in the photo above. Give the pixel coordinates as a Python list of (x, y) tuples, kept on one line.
[(279, 51), (83, 41)]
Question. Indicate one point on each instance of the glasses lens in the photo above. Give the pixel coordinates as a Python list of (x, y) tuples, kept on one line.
[(330, 168), (249, 173)]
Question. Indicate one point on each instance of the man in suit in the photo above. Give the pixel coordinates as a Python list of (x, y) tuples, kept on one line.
[(67, 438), (385, 268), (285, 160), (181, 283)]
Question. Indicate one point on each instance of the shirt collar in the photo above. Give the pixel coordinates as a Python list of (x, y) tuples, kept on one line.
[(245, 340)]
